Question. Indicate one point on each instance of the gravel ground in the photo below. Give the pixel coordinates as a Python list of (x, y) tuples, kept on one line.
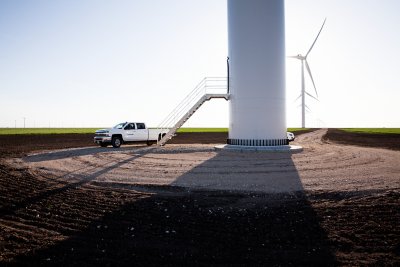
[(188, 204), (321, 166)]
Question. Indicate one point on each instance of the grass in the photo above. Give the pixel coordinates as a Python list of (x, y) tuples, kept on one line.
[(293, 130), (8, 131), (203, 130), (373, 130), (221, 130)]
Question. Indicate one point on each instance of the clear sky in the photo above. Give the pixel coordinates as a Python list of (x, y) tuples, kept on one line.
[(92, 63)]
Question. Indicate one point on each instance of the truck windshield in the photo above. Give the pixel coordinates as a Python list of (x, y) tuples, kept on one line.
[(120, 125)]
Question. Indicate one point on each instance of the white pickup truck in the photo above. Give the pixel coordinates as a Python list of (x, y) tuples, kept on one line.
[(127, 132)]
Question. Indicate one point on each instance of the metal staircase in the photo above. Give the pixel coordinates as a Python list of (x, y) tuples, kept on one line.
[(208, 88)]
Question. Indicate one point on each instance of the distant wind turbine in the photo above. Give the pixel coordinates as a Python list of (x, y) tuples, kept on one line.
[(303, 60)]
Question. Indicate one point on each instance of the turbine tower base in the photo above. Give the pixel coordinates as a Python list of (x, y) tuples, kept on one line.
[(258, 142), (243, 148)]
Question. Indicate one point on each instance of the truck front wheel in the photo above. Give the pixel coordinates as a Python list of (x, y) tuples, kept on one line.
[(116, 141), (103, 144)]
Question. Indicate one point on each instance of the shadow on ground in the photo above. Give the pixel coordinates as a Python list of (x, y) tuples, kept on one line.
[(200, 228), (77, 152), (176, 226), (251, 171)]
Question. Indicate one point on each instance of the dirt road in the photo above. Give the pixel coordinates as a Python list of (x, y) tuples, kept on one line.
[(321, 166)]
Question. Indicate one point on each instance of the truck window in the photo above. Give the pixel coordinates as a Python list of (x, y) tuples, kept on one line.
[(140, 126), (120, 125), (130, 126)]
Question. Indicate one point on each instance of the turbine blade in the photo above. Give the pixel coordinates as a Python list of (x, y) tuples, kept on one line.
[(312, 79), (297, 98), (310, 95), (293, 57), (316, 38)]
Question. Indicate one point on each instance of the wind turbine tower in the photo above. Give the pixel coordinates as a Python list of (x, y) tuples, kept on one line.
[(303, 94), (256, 41)]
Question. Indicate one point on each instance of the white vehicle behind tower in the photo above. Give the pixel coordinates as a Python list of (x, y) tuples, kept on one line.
[(290, 136)]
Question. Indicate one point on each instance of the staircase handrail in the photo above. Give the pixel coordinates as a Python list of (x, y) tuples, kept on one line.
[(178, 109), (207, 84)]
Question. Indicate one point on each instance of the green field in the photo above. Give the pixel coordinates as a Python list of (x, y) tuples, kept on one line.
[(5, 131), (293, 130), (202, 130), (220, 130), (373, 130)]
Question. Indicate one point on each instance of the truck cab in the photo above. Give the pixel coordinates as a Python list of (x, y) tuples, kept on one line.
[(132, 131)]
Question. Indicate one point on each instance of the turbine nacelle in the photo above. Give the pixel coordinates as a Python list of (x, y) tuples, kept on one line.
[(299, 56)]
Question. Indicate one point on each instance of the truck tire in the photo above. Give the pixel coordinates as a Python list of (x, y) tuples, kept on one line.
[(116, 141), (149, 143), (160, 136), (102, 144)]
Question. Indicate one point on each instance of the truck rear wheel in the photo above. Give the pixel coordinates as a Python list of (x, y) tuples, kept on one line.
[(116, 141)]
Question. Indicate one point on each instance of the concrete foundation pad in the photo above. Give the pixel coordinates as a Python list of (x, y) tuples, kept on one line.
[(287, 148)]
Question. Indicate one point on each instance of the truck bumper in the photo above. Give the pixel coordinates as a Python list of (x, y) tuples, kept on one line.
[(102, 139)]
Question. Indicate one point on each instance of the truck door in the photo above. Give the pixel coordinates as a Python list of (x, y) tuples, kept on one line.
[(129, 132), (141, 132)]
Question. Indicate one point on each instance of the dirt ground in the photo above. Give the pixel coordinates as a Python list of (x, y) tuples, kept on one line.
[(340, 208), (388, 141)]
